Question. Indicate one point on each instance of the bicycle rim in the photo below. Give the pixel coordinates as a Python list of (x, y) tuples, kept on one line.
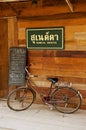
[(66, 100), (20, 99)]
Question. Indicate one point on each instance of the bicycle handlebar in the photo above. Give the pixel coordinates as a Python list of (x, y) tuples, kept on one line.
[(29, 74)]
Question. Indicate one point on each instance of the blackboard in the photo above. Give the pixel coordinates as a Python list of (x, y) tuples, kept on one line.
[(17, 66)]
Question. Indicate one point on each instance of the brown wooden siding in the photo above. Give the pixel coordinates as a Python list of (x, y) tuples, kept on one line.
[(8, 38), (68, 64), (3, 58)]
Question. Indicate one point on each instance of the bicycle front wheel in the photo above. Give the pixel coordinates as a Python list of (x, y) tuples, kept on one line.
[(20, 99), (66, 99)]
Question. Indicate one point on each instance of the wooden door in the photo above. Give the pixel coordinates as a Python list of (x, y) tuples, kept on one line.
[(3, 58)]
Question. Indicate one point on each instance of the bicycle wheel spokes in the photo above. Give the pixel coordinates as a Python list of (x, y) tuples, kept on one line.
[(20, 99), (66, 100)]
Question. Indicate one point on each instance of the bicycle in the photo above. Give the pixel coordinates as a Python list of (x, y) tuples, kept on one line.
[(61, 95)]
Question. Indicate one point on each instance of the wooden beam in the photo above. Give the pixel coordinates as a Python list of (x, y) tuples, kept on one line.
[(25, 9), (72, 54), (55, 16), (57, 53), (11, 0), (52, 10)]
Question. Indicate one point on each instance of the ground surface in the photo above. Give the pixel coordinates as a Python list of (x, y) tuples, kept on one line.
[(40, 117)]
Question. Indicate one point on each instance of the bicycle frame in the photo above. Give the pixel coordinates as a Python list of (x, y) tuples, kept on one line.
[(29, 83), (60, 96), (34, 87)]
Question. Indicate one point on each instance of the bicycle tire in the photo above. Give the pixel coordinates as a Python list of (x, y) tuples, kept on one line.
[(20, 99), (66, 99)]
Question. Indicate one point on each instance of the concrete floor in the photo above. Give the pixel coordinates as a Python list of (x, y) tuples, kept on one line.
[(40, 117)]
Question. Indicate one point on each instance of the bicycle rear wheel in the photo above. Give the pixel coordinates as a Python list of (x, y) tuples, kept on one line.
[(66, 99), (20, 99)]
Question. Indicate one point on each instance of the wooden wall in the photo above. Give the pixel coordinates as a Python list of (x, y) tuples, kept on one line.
[(3, 57), (8, 38), (68, 64)]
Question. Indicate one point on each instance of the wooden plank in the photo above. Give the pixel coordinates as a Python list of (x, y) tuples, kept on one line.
[(60, 73), (59, 66), (80, 54), (52, 17), (54, 53), (35, 53), (77, 83), (13, 32), (64, 61), (50, 23), (3, 57)]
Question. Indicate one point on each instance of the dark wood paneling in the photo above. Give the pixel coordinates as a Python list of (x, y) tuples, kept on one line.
[(53, 53), (43, 9), (74, 54), (4, 56)]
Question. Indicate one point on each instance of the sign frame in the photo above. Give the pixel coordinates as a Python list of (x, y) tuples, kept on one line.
[(45, 38)]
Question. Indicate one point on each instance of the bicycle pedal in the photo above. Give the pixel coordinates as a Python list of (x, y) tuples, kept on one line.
[(51, 107)]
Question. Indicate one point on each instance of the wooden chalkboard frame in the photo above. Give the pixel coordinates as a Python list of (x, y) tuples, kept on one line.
[(17, 66)]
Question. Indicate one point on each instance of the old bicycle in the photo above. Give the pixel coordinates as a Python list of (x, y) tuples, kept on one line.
[(61, 95)]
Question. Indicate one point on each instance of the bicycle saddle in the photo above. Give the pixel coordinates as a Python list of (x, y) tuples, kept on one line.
[(53, 80)]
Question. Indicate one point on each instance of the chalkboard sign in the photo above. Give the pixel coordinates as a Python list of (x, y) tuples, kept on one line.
[(17, 66)]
